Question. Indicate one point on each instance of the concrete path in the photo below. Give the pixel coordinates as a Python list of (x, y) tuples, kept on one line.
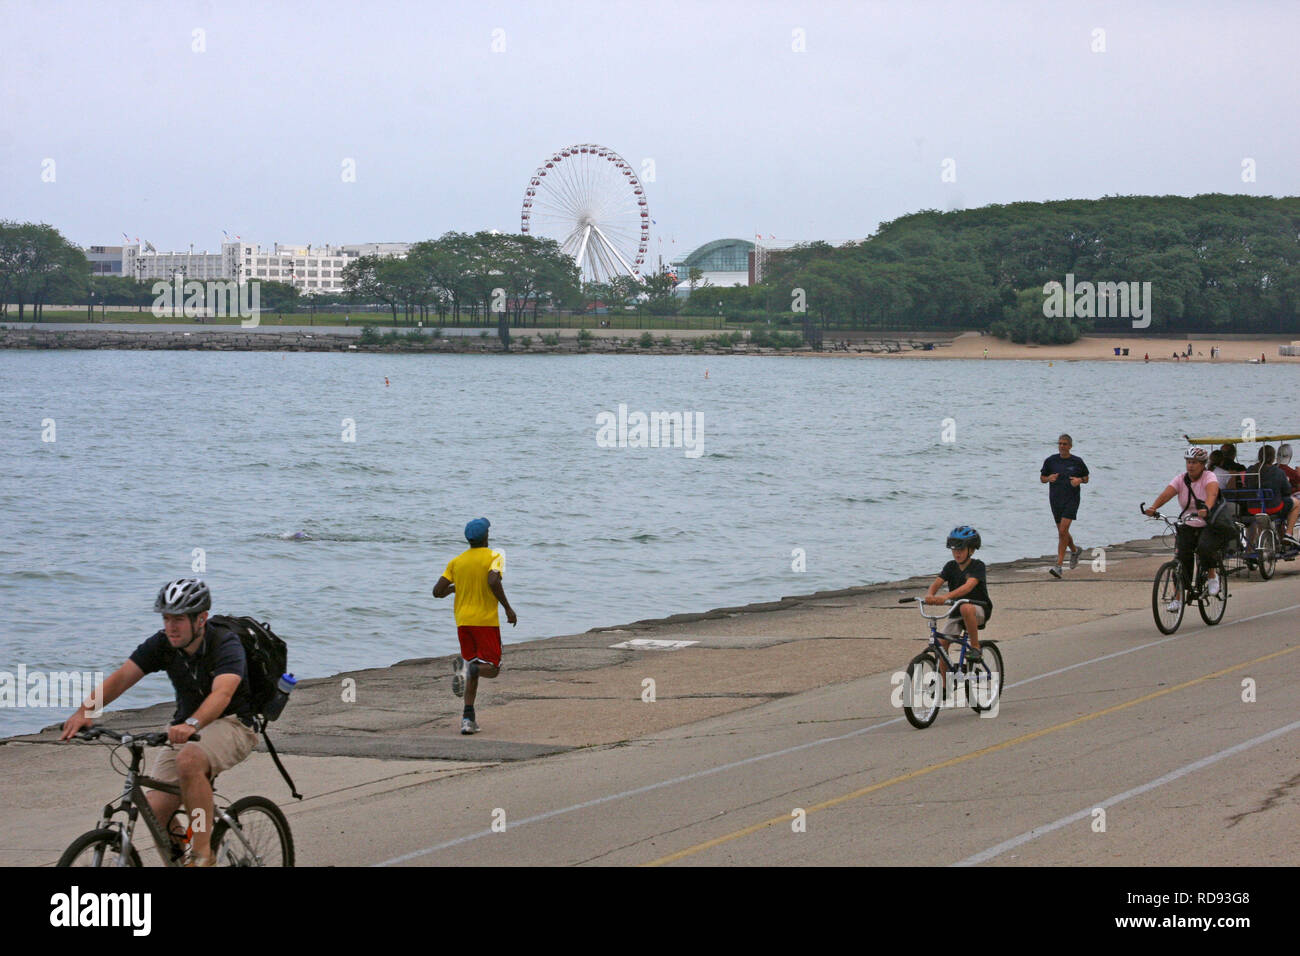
[(1112, 744)]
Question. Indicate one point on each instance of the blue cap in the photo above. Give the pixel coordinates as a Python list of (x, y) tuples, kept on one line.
[(476, 529)]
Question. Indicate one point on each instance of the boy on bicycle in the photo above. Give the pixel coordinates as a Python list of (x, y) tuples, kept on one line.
[(966, 577)]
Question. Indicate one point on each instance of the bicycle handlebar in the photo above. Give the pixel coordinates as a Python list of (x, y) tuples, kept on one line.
[(920, 604), (1165, 518), (154, 739)]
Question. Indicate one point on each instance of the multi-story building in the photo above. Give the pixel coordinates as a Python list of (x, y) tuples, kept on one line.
[(312, 269), (105, 260)]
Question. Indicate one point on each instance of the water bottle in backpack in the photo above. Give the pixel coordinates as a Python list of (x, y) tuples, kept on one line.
[(283, 688)]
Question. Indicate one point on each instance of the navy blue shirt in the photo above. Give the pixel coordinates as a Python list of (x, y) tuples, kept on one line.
[(955, 577), (1061, 491), (221, 652)]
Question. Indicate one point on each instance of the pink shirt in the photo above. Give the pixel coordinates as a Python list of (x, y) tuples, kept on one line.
[(1200, 486)]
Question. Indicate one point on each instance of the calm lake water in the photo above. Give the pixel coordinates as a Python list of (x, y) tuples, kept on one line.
[(160, 453)]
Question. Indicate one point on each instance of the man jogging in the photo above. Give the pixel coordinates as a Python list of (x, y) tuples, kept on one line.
[(208, 671), (1065, 473), (475, 577)]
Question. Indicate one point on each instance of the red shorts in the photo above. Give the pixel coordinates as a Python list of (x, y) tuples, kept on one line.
[(481, 644)]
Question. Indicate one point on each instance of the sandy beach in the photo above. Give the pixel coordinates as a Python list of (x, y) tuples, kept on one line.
[(1090, 348)]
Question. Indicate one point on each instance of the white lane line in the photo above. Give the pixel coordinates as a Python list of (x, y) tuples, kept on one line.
[(1036, 832), (587, 804)]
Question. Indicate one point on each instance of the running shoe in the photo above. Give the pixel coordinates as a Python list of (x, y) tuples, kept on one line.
[(1074, 558), (468, 725), (458, 676), (1214, 587), (1054, 570), (1174, 606), (1290, 541)]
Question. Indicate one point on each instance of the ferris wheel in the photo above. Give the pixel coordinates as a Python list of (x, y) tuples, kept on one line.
[(588, 199)]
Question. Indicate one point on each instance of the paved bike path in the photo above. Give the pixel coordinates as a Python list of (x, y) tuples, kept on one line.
[(1131, 708), (699, 775)]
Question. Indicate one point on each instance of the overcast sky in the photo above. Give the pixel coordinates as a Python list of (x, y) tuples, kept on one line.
[(798, 120)]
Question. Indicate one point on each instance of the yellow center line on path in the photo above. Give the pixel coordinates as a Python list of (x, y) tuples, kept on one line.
[(923, 771)]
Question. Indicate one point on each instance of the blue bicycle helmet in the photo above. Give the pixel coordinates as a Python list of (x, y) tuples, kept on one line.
[(964, 536)]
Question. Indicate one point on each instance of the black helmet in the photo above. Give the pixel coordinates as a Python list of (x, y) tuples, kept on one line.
[(964, 537), (183, 596)]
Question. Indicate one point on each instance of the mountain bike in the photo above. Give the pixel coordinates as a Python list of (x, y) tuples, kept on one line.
[(934, 680), (252, 831)]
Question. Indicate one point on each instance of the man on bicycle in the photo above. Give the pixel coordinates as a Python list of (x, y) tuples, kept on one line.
[(966, 577), (208, 671), (1197, 490)]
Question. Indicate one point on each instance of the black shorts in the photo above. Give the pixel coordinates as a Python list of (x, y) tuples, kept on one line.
[(1064, 509)]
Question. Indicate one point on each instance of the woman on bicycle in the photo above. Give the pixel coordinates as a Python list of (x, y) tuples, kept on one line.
[(966, 577), (1197, 490)]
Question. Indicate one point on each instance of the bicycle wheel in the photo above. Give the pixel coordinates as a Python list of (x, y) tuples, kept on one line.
[(987, 679), (1212, 608), (98, 848), (923, 690), (264, 827), (1267, 550), (1166, 589)]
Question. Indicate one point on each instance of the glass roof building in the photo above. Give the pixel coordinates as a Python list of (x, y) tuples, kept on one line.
[(724, 262)]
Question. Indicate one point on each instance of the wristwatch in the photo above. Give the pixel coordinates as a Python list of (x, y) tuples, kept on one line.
[(193, 722)]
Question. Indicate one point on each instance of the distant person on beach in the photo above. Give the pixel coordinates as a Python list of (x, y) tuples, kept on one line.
[(1065, 473), (967, 578), (475, 577), (208, 671)]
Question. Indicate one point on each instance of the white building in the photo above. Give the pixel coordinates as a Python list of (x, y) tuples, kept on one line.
[(311, 269)]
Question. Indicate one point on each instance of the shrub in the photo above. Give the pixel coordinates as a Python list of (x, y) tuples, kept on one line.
[(369, 335), (585, 336), (551, 339), (525, 341), (666, 341), (646, 340)]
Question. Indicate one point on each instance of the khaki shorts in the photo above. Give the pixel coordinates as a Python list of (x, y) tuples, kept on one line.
[(953, 623), (225, 742)]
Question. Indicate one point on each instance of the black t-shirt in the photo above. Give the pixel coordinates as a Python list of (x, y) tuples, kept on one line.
[(220, 653), (1066, 468), (955, 577)]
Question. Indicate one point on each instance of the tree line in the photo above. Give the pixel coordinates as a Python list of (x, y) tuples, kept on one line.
[(510, 276), (1215, 263)]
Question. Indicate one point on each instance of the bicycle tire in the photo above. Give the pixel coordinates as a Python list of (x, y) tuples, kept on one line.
[(914, 690), (1267, 549), (1167, 586), (264, 825), (992, 671), (1212, 608), (101, 843)]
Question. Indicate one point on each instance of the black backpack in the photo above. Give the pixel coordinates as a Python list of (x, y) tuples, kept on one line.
[(267, 658)]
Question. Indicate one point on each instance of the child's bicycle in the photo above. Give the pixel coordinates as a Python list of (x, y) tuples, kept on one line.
[(252, 831), (927, 687), (1169, 595)]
